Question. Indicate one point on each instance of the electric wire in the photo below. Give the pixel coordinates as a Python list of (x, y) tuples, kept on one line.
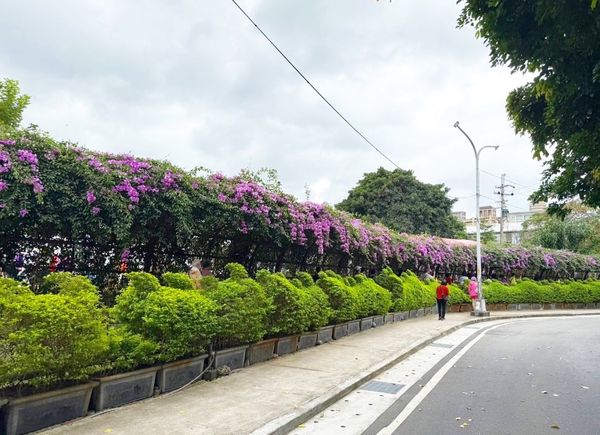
[(314, 88)]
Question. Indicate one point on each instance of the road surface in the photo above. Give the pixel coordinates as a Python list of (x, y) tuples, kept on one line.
[(526, 376)]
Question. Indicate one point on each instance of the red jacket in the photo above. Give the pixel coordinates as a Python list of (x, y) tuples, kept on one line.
[(442, 291)]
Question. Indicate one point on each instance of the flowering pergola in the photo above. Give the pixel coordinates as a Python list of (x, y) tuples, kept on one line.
[(102, 211)]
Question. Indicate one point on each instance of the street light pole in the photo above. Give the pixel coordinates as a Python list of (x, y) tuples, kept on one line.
[(480, 309)]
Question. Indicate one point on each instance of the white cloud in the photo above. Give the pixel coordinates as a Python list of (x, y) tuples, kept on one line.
[(192, 81)]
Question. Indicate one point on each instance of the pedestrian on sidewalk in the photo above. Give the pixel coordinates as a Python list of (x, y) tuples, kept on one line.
[(442, 294), (473, 291)]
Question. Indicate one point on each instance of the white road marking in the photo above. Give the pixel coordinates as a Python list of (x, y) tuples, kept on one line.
[(354, 413), (436, 378)]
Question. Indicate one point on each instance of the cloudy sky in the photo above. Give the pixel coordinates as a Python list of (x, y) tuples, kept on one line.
[(192, 81)]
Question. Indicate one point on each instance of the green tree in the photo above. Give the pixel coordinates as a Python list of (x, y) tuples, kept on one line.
[(400, 201), (12, 104), (578, 232), (558, 41)]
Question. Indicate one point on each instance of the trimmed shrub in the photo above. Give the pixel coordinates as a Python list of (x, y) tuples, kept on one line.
[(289, 314), (415, 293), (316, 301), (343, 299), (243, 307), (48, 340), (457, 295), (177, 280), (390, 281), (179, 322), (373, 299)]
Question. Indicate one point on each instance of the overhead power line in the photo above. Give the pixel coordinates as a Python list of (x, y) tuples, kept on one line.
[(314, 88)]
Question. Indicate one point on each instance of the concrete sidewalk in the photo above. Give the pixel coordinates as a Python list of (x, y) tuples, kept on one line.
[(275, 396)]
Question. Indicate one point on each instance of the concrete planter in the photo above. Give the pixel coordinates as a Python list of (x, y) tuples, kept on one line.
[(287, 345), (536, 306), (324, 334), (388, 318), (412, 314), (512, 307), (524, 307), (549, 306), (366, 323), (569, 306), (427, 310), (261, 351), (377, 321), (31, 413), (454, 308), (233, 358), (398, 317), (176, 374), (465, 308), (308, 339), (590, 306), (580, 306), (353, 327), (420, 312), (340, 331), (117, 390)]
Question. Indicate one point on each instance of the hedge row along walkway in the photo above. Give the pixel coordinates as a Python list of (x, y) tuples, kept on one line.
[(275, 396)]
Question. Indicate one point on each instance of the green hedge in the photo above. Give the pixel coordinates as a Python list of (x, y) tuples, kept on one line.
[(527, 291), (65, 335), (49, 339)]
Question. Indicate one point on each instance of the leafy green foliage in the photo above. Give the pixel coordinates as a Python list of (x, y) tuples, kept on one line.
[(400, 201), (316, 302), (407, 290), (373, 299), (556, 42), (49, 339), (343, 299), (243, 307), (177, 280), (289, 314), (179, 322), (12, 104), (528, 291), (578, 232)]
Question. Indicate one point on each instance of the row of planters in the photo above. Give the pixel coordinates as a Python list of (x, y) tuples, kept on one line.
[(62, 352)]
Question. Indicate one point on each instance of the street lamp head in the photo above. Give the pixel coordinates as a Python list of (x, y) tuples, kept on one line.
[(456, 124), (496, 147)]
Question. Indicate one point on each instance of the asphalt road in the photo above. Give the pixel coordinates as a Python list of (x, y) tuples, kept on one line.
[(531, 376)]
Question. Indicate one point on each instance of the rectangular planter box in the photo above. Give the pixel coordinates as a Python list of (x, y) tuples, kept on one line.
[(233, 358), (398, 317), (340, 331), (117, 390), (388, 318), (176, 374), (536, 306), (31, 413), (427, 310), (366, 323), (549, 306), (287, 345), (512, 307), (308, 339), (353, 327), (325, 334), (378, 320), (524, 307), (465, 308), (420, 312), (261, 351), (454, 308), (590, 306), (580, 306), (569, 306)]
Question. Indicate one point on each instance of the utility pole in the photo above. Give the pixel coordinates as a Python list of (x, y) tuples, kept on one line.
[(503, 207)]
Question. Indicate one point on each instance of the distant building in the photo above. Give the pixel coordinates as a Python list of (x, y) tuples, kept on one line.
[(513, 222), (460, 215)]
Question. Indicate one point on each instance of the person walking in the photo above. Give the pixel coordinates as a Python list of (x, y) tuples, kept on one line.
[(442, 294), (473, 291)]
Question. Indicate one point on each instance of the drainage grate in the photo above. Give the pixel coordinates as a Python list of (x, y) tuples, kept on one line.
[(382, 387), (441, 345)]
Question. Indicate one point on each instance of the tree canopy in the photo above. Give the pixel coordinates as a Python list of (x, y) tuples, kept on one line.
[(400, 201), (12, 104), (558, 41)]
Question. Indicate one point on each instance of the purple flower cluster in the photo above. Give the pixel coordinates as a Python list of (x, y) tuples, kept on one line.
[(28, 156), (3, 185), (5, 162), (90, 196)]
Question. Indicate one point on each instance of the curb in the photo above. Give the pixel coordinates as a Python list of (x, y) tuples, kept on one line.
[(286, 423)]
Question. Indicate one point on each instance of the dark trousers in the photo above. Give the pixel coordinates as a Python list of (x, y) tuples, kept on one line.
[(441, 306)]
